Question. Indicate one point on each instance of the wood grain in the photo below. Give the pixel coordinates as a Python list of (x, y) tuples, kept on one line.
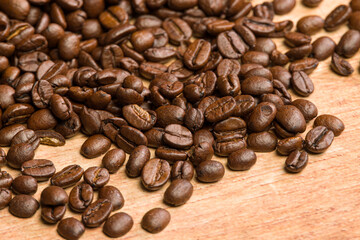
[(322, 202)]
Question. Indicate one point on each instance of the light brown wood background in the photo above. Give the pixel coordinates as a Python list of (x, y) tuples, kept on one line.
[(322, 202)]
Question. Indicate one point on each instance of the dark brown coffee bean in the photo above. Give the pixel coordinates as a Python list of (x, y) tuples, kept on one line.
[(264, 10), (177, 136), (241, 160), (24, 185), (203, 151), (31, 61), (278, 58), (70, 228), (81, 197), (272, 98), (17, 9), (119, 33), (330, 122), (155, 174), (323, 48), (26, 136), (296, 161), (311, 3), (194, 119), (50, 137), (341, 66), (97, 213), (137, 160), (52, 214), (54, 196), (42, 119), (113, 160), (210, 171), (245, 104), (155, 220), (20, 153), (17, 113), (224, 145), (118, 225), (147, 21), (96, 177), (295, 39), (288, 145), (354, 20), (302, 84), (2, 157), (349, 44), (128, 138), (259, 26), (197, 54), (114, 195), (220, 109), (7, 96), (40, 169), (310, 24), (138, 117), (307, 65), (262, 141), (319, 139), (262, 116), (283, 6), (355, 5), (178, 193), (182, 170), (177, 29), (300, 52), (170, 154), (113, 17), (95, 146), (5, 179), (203, 135), (231, 45), (5, 197), (68, 176), (23, 206), (227, 67), (337, 17), (154, 137), (256, 86), (60, 106), (291, 118), (307, 108)]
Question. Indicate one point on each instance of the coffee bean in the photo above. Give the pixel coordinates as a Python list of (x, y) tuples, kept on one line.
[(245, 104), (54, 196), (182, 170), (337, 17), (203, 135), (288, 145), (231, 45), (283, 6), (96, 177), (310, 24), (171, 155), (95, 146), (341, 66), (278, 58), (262, 141), (197, 54), (154, 137), (177, 30), (50, 137), (5, 197), (307, 65), (210, 171), (81, 197), (307, 108), (264, 10), (178, 193), (118, 225), (113, 160), (68, 176), (26, 136), (354, 22), (40, 169), (24, 185), (220, 109), (295, 39), (128, 138), (5, 179), (155, 220), (2, 157), (138, 117), (259, 26), (355, 5), (97, 213), (262, 116), (311, 3), (241, 160), (17, 113), (70, 228), (20, 153), (300, 52), (23, 206), (256, 86), (330, 122), (51, 214), (296, 161), (302, 84), (155, 174), (137, 160), (349, 44), (114, 195), (319, 139), (323, 48)]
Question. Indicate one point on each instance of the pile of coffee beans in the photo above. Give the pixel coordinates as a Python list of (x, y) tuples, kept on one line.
[(190, 78)]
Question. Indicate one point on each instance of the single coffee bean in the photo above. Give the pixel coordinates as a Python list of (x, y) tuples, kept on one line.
[(177, 29), (68, 176), (231, 45), (354, 20), (319, 139), (23, 206), (300, 52), (95, 146), (137, 160), (307, 65), (241, 160), (52, 214), (26, 136), (118, 225), (40, 169), (307, 108), (355, 5), (310, 24), (287, 145), (330, 122), (177, 136), (262, 116), (155, 220), (262, 141), (182, 170), (139, 117), (96, 177), (81, 197), (170, 154), (170, 114), (256, 86), (323, 48), (20, 153), (97, 213), (302, 84), (70, 228), (197, 54), (295, 39), (50, 137), (114, 195), (290, 118), (54, 196), (349, 44), (210, 171), (296, 161), (311, 3), (42, 119), (113, 160), (128, 138), (17, 113), (24, 185), (337, 17), (272, 98), (282, 7), (245, 104), (278, 58), (5, 179), (341, 66), (113, 17), (155, 174), (178, 193), (5, 197), (220, 109), (225, 145), (201, 152), (203, 135)]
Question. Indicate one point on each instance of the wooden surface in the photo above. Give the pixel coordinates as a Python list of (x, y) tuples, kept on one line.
[(322, 202)]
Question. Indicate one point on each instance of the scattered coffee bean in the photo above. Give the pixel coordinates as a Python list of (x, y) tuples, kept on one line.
[(296, 161), (178, 193), (24, 185), (155, 220), (23, 206), (330, 122), (318, 139), (118, 225), (114, 195), (97, 213), (70, 228), (210, 171), (241, 160)]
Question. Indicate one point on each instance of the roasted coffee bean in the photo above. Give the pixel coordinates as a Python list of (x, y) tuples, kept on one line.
[(16, 9), (307, 65), (227, 67), (311, 3), (302, 84), (137, 160), (349, 44), (241, 160), (272, 98), (264, 10), (69, 127), (232, 125), (281, 91), (81, 197), (337, 17), (178, 193), (288, 145), (219, 26), (262, 141), (256, 86), (70, 228), (50, 137), (262, 116), (300, 52), (355, 5), (68, 176), (264, 45), (310, 24), (291, 119), (259, 72), (5, 179), (282, 7), (138, 117), (231, 45), (128, 138), (203, 135), (5, 197), (24, 185), (155, 220), (177, 29), (7, 96), (97, 213), (295, 39), (42, 119), (113, 160), (220, 109), (201, 152), (245, 104), (95, 146), (23, 206), (17, 113), (210, 171), (2, 157), (159, 54), (260, 58), (52, 214), (154, 137), (182, 170), (319, 139), (323, 48), (20, 153), (224, 145), (354, 20), (177, 136), (296, 161), (341, 66), (259, 26), (330, 122), (278, 58), (90, 121), (194, 119), (197, 54), (54, 196), (30, 62), (118, 225), (170, 154), (96, 177), (307, 108), (150, 70), (228, 85), (155, 174), (113, 195), (26, 136), (60, 106), (40, 169)]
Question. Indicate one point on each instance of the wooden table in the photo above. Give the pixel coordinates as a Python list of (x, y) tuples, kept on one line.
[(322, 202)]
